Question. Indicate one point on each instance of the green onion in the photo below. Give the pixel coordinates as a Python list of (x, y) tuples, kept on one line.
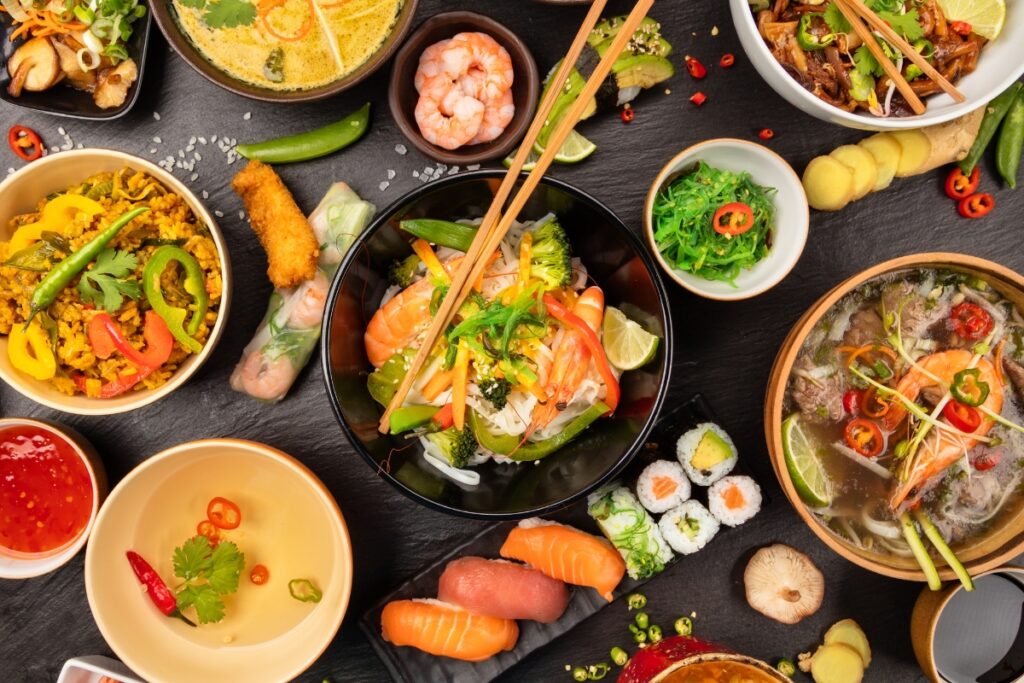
[(786, 667), (636, 601), (84, 14), (654, 634), (947, 553), (579, 674), (684, 626), (920, 554), (619, 656), (642, 620)]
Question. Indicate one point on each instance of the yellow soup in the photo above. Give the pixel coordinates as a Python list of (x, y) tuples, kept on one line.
[(718, 672), (288, 44)]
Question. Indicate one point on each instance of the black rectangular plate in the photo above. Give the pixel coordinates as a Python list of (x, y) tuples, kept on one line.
[(62, 99), (409, 665)]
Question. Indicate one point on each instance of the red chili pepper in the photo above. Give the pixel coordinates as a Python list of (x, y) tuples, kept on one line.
[(696, 69), (864, 437), (963, 417), (971, 321), (259, 575), (873, 406), (223, 513), (733, 219), (987, 461), (960, 186), (207, 528), (593, 344), (766, 134), (851, 402), (158, 591), (444, 418), (628, 114), (962, 28), (25, 142), (977, 205), (105, 335), (698, 98), (727, 60)]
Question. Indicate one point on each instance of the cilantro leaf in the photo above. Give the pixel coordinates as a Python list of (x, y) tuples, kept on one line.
[(229, 13), (108, 272), (866, 63), (209, 606), (192, 559), (907, 24), (226, 564), (835, 19)]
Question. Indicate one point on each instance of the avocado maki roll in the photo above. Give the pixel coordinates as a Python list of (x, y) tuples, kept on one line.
[(688, 527), (706, 453)]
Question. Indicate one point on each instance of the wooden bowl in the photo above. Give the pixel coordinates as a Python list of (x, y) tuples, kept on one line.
[(402, 95), (982, 553)]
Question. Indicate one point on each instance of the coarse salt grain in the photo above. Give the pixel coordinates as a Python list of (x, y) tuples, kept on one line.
[(194, 176), (384, 185), (246, 116), (391, 174), (401, 149), (473, 167)]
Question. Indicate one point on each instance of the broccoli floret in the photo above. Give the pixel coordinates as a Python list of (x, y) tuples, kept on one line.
[(495, 390), (551, 256), (456, 446), (402, 271)]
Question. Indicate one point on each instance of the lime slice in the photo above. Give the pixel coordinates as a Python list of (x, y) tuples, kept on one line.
[(986, 17), (576, 149), (627, 344), (531, 161), (805, 468)]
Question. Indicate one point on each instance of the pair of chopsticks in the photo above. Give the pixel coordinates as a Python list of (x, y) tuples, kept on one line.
[(495, 223), (856, 12)]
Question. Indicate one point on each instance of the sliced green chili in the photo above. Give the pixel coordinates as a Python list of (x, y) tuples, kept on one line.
[(304, 590), (968, 387)]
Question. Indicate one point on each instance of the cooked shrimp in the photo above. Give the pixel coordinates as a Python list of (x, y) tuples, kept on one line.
[(497, 115), (308, 311), (453, 129), (264, 378), (430, 64), (488, 74), (941, 448)]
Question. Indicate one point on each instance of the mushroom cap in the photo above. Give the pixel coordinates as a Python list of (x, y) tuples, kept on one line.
[(783, 584)]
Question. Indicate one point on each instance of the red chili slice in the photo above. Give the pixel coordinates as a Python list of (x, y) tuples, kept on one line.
[(694, 66), (971, 321), (628, 114), (727, 60), (698, 98), (25, 142), (766, 134), (851, 402), (977, 205), (208, 529), (962, 28), (963, 417), (259, 575), (960, 186), (223, 513), (864, 437), (987, 461), (733, 219)]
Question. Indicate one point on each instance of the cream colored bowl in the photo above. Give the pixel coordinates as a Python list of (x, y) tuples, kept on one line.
[(290, 523), (21, 192)]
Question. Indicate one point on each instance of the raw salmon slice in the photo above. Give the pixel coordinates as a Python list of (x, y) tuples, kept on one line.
[(446, 630)]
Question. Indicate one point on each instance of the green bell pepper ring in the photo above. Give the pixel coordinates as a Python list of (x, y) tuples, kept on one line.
[(967, 388), (195, 284), (510, 445), (809, 40)]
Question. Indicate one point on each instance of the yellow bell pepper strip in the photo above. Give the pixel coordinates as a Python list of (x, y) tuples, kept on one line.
[(460, 379), (26, 235), (593, 344), (525, 251), (57, 213), (30, 351), (514, 448), (195, 284), (430, 260)]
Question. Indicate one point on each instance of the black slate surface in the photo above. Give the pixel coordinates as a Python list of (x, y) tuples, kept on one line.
[(724, 350)]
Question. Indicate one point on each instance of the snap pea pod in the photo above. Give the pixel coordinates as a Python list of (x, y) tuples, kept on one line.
[(312, 144), (442, 233), (995, 111), (1011, 140), (50, 287)]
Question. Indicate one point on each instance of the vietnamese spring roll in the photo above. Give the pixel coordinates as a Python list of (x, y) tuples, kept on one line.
[(290, 330)]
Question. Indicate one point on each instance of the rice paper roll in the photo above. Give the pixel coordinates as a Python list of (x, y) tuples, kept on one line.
[(631, 530)]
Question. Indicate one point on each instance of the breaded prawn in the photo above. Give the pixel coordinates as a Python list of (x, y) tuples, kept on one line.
[(282, 229)]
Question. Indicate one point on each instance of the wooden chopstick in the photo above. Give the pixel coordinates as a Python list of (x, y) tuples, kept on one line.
[(890, 69), (906, 48), (453, 298)]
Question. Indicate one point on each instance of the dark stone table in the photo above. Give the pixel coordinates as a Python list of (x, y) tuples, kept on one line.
[(723, 350)]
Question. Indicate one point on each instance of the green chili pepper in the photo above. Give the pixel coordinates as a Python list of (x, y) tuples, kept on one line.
[(304, 590), (968, 388), (312, 144), (809, 40), (619, 656), (995, 111), (579, 674), (640, 636), (1011, 141), (63, 273), (636, 601), (642, 620), (684, 626), (596, 672), (510, 447), (654, 634), (786, 667), (195, 284)]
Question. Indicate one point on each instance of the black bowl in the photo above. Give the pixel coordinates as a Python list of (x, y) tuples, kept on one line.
[(615, 259)]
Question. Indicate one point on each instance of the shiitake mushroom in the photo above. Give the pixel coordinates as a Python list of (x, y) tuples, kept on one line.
[(34, 67)]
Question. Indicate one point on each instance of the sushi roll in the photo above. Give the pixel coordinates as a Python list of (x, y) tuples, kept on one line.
[(662, 486), (688, 527), (734, 500), (706, 453), (631, 530)]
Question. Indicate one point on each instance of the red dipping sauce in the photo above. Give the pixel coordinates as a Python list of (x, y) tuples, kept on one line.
[(45, 491)]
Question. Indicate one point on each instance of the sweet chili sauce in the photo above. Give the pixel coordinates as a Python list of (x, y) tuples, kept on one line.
[(46, 492)]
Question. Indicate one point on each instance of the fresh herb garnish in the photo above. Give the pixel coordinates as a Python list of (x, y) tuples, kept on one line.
[(209, 574), (109, 273), (224, 13), (906, 24), (836, 20)]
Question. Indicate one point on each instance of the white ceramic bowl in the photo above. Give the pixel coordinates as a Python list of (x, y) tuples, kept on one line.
[(290, 523), (22, 567), (1000, 64), (21, 192), (792, 216)]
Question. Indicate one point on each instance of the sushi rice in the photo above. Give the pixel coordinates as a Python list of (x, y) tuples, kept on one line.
[(687, 449), (734, 500), (631, 530), (688, 527), (662, 486)]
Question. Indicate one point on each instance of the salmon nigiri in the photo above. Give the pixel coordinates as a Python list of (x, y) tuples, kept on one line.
[(503, 589), (567, 554), (446, 630)]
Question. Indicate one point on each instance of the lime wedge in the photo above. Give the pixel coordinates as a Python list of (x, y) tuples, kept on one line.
[(627, 344), (986, 17), (805, 468), (531, 161), (576, 149)]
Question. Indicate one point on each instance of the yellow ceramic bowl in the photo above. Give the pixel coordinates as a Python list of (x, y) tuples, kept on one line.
[(290, 523), (21, 192)]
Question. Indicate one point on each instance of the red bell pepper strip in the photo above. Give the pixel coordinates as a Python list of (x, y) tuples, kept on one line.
[(25, 142), (978, 205), (104, 333), (960, 186), (158, 591), (963, 417), (593, 344)]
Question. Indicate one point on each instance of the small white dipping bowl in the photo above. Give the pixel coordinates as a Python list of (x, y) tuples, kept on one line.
[(20, 193), (792, 216)]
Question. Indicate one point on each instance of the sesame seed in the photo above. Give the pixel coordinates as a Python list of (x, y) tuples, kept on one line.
[(152, 151), (241, 215), (202, 140)]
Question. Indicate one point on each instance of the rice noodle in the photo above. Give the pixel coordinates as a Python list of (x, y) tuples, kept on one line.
[(866, 463), (896, 547), (890, 530), (432, 455)]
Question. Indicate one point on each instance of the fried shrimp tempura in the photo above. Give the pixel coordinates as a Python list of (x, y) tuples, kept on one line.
[(291, 246)]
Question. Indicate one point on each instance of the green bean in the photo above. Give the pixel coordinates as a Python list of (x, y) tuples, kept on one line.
[(311, 144), (1011, 140), (619, 656), (636, 601), (50, 287), (994, 113)]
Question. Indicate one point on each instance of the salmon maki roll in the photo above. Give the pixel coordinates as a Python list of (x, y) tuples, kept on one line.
[(567, 554), (507, 590), (446, 630)]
